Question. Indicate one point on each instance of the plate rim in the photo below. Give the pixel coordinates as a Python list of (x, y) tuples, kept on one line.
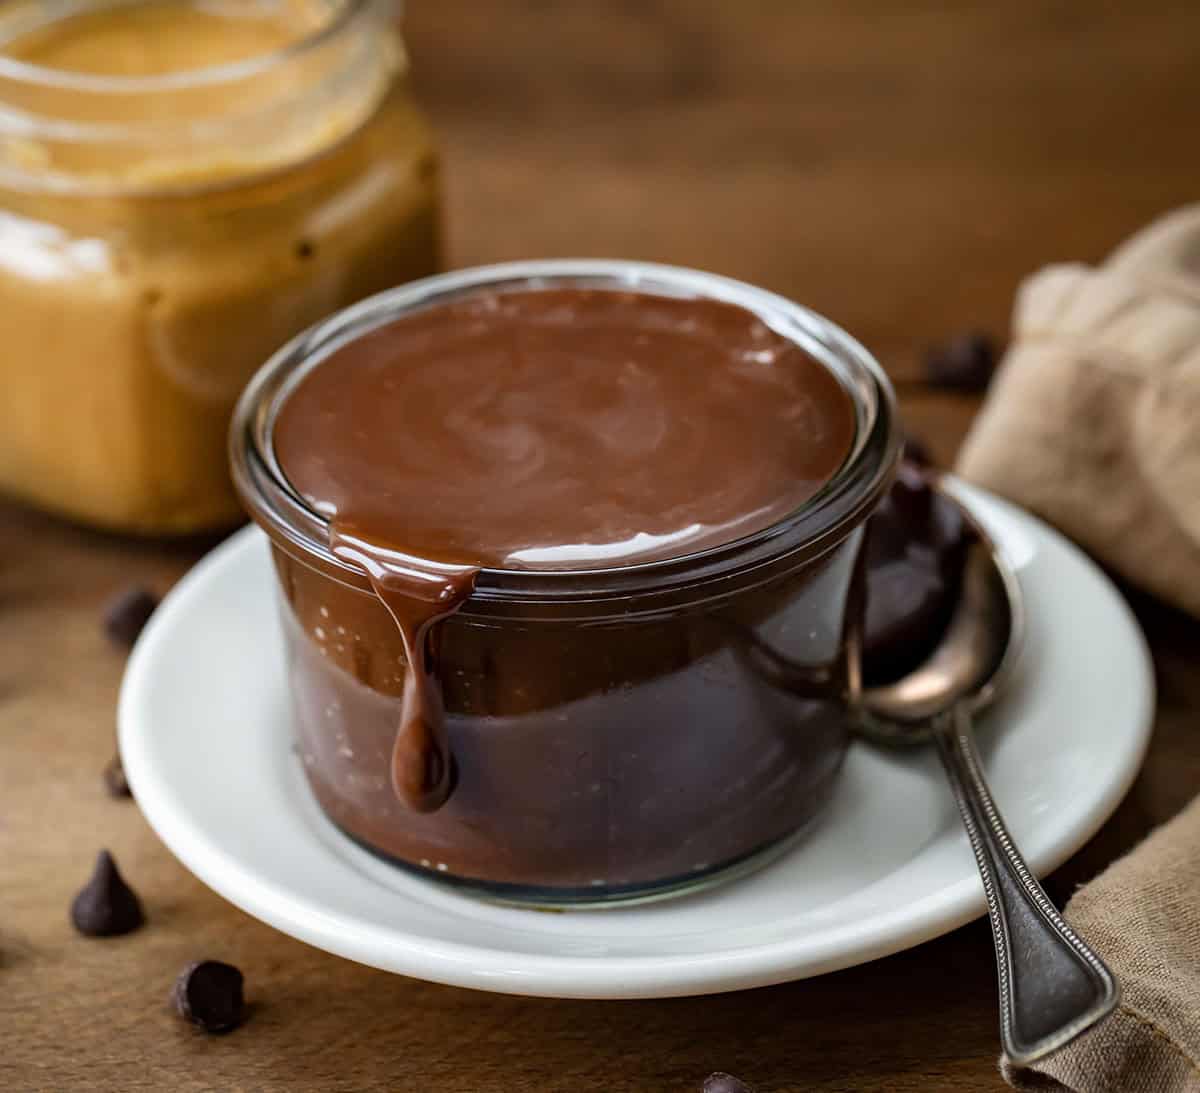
[(573, 976)]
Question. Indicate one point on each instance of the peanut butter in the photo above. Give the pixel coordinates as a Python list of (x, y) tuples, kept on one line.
[(257, 167)]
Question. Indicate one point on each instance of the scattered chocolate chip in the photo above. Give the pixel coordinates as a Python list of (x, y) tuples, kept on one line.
[(916, 452), (964, 363), (209, 994), (128, 612), (427, 169), (106, 906), (720, 1082), (114, 779)]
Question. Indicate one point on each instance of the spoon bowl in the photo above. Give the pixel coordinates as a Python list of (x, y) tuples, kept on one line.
[(976, 656)]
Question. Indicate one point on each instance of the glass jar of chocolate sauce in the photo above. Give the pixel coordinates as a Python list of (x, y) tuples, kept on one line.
[(570, 562)]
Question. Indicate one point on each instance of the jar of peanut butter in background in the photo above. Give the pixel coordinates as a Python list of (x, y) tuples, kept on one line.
[(184, 185)]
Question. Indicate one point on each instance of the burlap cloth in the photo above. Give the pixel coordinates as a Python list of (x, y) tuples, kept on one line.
[(1093, 422)]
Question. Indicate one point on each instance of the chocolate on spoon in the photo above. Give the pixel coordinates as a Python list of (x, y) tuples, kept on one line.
[(916, 546)]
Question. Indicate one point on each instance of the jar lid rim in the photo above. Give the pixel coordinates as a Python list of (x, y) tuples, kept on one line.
[(29, 73)]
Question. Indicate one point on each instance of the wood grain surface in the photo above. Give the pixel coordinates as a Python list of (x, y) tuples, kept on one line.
[(897, 166)]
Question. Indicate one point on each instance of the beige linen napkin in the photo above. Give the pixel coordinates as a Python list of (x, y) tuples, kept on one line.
[(1093, 422)]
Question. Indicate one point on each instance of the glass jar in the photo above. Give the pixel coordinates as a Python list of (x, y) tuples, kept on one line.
[(619, 733), (183, 194)]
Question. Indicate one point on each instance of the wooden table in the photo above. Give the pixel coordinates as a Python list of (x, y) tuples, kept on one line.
[(897, 166)]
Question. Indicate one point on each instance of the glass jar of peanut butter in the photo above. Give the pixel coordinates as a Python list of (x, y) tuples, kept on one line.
[(184, 185)]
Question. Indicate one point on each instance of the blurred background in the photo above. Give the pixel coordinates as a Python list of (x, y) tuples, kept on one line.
[(897, 166)]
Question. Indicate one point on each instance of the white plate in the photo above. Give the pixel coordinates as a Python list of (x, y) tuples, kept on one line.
[(206, 745)]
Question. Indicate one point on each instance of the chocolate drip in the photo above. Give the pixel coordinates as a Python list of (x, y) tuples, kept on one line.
[(418, 593)]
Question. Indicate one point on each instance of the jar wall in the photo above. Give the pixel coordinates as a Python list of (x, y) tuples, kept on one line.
[(600, 759)]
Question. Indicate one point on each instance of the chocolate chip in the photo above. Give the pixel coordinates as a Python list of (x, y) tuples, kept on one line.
[(964, 363), (720, 1082), (209, 994), (128, 612), (106, 906), (915, 451), (114, 779), (427, 169)]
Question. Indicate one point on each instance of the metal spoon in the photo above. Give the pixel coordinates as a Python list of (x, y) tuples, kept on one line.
[(1052, 985)]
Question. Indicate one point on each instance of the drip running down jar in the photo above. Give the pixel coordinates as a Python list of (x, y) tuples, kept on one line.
[(570, 563)]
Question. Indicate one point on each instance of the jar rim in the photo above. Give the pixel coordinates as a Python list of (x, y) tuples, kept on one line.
[(188, 130), (28, 73), (807, 532)]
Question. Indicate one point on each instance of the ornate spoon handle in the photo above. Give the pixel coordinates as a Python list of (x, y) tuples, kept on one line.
[(1052, 986)]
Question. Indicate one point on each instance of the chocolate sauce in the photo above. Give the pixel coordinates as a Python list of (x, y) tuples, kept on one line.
[(548, 430)]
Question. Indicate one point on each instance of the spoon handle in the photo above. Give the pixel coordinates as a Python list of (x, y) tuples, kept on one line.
[(1052, 986)]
